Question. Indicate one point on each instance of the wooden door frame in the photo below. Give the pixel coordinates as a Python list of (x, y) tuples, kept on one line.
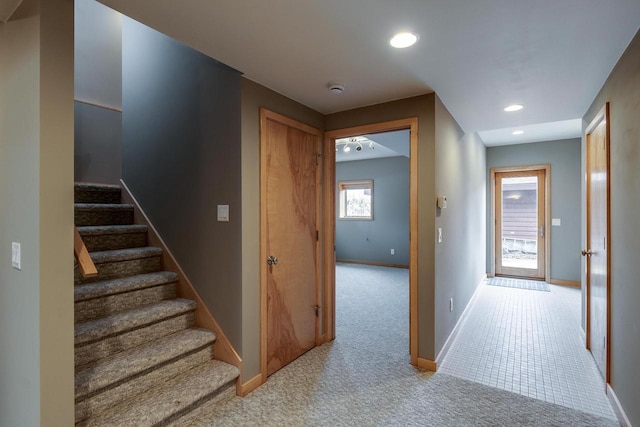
[(329, 308), (265, 115), (603, 114), (547, 213)]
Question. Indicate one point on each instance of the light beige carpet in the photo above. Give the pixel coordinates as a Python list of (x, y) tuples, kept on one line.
[(364, 377)]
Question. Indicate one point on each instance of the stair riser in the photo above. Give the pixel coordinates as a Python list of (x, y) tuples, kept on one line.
[(82, 195), (111, 270), (111, 304), (107, 216), (106, 347), (199, 409), (97, 403), (108, 242)]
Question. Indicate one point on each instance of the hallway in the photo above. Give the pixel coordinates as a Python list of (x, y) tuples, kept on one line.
[(529, 342), (364, 378)]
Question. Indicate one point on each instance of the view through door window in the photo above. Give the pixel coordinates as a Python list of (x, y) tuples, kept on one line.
[(520, 222)]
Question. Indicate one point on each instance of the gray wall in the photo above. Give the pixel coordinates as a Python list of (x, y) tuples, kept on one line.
[(181, 158), (622, 90), (19, 290), (36, 155), (460, 258), (98, 144), (98, 79), (564, 158), (255, 96), (372, 241)]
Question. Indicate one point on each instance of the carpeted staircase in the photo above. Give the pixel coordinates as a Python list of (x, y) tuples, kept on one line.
[(139, 360)]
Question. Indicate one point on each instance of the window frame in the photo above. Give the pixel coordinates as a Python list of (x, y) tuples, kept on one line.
[(359, 184)]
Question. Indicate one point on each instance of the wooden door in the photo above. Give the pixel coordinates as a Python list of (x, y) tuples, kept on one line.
[(290, 201), (597, 252), (520, 223)]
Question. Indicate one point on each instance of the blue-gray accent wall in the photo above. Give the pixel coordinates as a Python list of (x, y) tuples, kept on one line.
[(564, 157), (181, 158), (372, 240), (98, 93)]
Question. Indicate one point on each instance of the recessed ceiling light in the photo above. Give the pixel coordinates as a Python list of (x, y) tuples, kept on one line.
[(517, 132), (515, 107), (402, 40)]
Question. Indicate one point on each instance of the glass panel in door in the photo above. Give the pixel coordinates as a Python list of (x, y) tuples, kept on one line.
[(520, 224)]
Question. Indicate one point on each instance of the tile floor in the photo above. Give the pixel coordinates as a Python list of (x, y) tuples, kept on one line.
[(529, 342)]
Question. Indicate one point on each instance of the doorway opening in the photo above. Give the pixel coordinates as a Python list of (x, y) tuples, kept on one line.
[(372, 234), (364, 197), (520, 216)]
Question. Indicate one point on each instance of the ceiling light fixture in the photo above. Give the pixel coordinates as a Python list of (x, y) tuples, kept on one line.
[(359, 143), (514, 107), (403, 40), (517, 132)]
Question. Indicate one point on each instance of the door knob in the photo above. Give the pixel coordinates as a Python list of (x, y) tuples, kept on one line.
[(272, 260), (587, 252)]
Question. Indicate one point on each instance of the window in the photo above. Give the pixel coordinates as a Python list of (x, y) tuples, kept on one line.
[(356, 199)]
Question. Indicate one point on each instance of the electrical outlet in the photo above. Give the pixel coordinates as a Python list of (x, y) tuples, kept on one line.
[(451, 304), (393, 251), (16, 256)]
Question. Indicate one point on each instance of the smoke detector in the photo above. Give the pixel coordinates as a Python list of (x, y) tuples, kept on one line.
[(336, 88)]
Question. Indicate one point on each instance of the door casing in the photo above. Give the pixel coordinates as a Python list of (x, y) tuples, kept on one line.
[(266, 115), (329, 308), (547, 211), (602, 116)]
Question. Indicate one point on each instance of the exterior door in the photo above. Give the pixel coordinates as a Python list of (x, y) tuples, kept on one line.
[(290, 191), (520, 226), (597, 252)]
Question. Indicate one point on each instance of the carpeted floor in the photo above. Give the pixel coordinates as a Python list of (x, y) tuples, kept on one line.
[(364, 378)]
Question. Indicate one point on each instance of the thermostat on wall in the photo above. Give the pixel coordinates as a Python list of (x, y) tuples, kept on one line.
[(442, 202)]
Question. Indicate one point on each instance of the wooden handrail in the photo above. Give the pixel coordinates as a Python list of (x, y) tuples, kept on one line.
[(87, 267)]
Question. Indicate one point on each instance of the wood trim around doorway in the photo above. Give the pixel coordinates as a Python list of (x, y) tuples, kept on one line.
[(603, 115), (265, 116), (547, 213), (329, 312)]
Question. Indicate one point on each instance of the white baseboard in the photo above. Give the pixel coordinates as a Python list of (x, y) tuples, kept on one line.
[(617, 407), (459, 323)]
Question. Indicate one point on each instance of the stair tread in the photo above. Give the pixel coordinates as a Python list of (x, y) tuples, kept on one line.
[(132, 319), (128, 363), (88, 230), (122, 284), (102, 206), (125, 254), (170, 398), (96, 186)]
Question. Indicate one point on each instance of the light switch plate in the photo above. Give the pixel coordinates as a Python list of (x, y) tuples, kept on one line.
[(223, 213), (556, 222), (16, 256), (439, 235)]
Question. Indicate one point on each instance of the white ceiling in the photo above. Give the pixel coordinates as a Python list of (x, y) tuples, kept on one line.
[(386, 144), (477, 55), (564, 129)]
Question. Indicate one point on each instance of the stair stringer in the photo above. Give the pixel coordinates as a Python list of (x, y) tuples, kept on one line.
[(224, 350)]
